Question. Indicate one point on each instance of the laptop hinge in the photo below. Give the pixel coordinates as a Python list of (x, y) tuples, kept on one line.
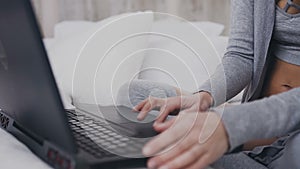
[(50, 153)]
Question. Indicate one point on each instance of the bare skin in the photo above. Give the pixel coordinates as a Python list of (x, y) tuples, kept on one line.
[(291, 10), (194, 140), (278, 82), (283, 77), (275, 84), (199, 102), (191, 151)]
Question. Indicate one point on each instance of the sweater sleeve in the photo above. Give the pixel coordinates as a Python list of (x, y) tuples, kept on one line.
[(265, 118), (236, 69)]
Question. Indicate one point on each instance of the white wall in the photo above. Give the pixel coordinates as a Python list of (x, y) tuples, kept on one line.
[(52, 11)]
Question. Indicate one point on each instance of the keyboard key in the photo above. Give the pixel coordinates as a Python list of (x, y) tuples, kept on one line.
[(94, 136)]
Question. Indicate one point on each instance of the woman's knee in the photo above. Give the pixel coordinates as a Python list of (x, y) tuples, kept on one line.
[(135, 91), (131, 93)]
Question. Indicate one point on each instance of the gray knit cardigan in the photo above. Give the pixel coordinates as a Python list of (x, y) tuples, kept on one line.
[(244, 66)]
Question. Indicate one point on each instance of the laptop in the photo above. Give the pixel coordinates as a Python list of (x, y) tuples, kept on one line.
[(31, 108)]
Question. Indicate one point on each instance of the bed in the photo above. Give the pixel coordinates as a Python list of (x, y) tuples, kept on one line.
[(131, 60)]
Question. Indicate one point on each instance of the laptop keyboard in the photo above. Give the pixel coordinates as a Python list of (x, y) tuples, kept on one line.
[(98, 138)]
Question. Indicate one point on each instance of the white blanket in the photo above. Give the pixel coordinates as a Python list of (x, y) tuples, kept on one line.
[(15, 155)]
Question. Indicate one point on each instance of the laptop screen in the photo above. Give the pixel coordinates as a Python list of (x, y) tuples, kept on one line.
[(28, 92)]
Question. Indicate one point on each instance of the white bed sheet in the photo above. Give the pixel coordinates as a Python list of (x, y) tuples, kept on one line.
[(15, 155)]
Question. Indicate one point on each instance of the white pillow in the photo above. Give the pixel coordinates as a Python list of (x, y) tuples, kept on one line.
[(104, 84), (188, 70), (67, 29), (220, 43), (210, 29), (49, 43)]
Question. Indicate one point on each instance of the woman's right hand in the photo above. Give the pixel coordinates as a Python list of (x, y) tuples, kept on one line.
[(198, 102)]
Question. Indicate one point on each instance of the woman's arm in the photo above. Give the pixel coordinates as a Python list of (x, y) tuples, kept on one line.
[(265, 118), (236, 69)]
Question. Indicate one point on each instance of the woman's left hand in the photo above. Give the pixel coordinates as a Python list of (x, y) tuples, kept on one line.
[(195, 140)]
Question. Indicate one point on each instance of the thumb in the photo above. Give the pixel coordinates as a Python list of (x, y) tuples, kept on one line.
[(205, 105), (162, 126)]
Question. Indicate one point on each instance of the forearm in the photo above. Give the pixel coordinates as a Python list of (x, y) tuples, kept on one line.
[(266, 118), (237, 65), (229, 79)]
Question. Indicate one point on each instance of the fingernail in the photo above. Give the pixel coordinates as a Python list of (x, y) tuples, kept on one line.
[(151, 165), (159, 125), (139, 117), (135, 108), (146, 151)]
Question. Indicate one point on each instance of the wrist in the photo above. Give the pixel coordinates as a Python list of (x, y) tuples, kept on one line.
[(224, 132)]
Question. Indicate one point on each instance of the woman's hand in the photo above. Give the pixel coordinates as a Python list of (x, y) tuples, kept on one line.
[(194, 141), (196, 103)]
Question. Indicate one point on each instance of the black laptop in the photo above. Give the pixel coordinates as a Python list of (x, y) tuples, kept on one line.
[(31, 108)]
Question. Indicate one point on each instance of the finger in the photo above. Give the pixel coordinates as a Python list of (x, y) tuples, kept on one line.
[(204, 106), (161, 142), (151, 104), (174, 105), (143, 113), (164, 112), (177, 150), (202, 163), (160, 127), (186, 158), (171, 105), (140, 105), (181, 126)]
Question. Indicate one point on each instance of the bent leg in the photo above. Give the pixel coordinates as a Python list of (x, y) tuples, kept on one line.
[(289, 156), (237, 161), (133, 92)]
